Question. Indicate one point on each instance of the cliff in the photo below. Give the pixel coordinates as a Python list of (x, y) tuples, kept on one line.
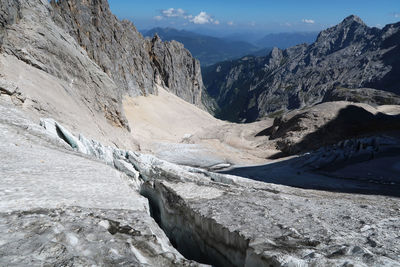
[(99, 58)]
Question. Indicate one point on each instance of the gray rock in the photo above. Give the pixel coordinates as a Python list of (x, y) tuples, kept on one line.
[(328, 123), (362, 95), (349, 55), (176, 69), (245, 223), (12, 90), (101, 58), (134, 63)]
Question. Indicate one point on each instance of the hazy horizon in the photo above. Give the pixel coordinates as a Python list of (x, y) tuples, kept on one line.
[(254, 17)]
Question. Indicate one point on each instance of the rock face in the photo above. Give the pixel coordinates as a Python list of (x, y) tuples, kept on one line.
[(100, 57), (134, 63), (349, 55), (178, 70)]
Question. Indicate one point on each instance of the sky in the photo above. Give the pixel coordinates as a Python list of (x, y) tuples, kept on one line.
[(266, 16)]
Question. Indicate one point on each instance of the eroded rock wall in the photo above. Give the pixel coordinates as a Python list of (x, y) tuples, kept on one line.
[(134, 63), (97, 58)]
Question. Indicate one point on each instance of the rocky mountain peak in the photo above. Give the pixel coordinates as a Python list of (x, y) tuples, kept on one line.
[(349, 55), (352, 19), (351, 24), (352, 30)]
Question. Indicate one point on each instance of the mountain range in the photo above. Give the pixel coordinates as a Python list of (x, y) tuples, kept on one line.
[(343, 59), (211, 49), (207, 49), (287, 39)]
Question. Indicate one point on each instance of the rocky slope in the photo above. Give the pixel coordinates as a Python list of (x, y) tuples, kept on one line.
[(48, 70), (349, 55), (97, 57)]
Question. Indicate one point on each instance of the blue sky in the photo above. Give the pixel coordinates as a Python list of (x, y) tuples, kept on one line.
[(253, 15)]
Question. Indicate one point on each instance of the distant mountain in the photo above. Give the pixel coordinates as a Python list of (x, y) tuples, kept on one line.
[(207, 49), (285, 40), (261, 53), (250, 37), (339, 65)]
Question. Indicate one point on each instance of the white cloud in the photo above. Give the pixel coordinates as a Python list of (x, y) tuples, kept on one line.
[(173, 13), (202, 18), (308, 21), (230, 23), (396, 15)]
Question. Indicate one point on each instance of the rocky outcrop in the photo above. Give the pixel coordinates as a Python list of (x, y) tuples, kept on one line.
[(13, 91), (349, 55), (327, 124), (176, 69)]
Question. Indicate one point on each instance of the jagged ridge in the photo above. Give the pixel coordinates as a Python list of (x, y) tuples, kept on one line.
[(349, 55)]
